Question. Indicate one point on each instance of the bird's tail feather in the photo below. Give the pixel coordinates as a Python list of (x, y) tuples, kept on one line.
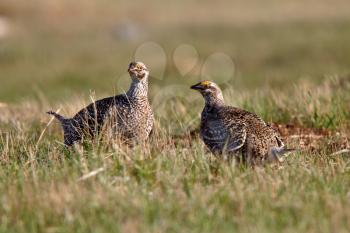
[(70, 132), (287, 151), (280, 153), (57, 116)]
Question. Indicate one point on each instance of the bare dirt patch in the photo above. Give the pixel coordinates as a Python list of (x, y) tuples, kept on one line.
[(312, 139)]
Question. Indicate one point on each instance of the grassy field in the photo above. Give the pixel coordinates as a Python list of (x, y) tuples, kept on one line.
[(291, 66)]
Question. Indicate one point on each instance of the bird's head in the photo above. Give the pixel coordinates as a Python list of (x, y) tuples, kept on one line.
[(210, 91), (138, 71)]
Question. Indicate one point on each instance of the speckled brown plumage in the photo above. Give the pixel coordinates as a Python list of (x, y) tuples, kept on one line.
[(233, 131), (129, 114)]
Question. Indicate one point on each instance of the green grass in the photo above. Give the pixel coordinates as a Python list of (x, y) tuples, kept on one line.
[(172, 191), (291, 68), (173, 184)]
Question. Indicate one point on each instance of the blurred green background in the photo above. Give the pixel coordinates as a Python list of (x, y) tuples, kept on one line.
[(58, 49)]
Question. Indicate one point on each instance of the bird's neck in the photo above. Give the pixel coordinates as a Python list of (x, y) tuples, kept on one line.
[(138, 89), (214, 101)]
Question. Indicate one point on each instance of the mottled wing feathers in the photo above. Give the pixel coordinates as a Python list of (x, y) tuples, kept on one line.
[(237, 135), (221, 131)]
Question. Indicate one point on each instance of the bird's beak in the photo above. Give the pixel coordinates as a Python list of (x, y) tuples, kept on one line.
[(197, 86)]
